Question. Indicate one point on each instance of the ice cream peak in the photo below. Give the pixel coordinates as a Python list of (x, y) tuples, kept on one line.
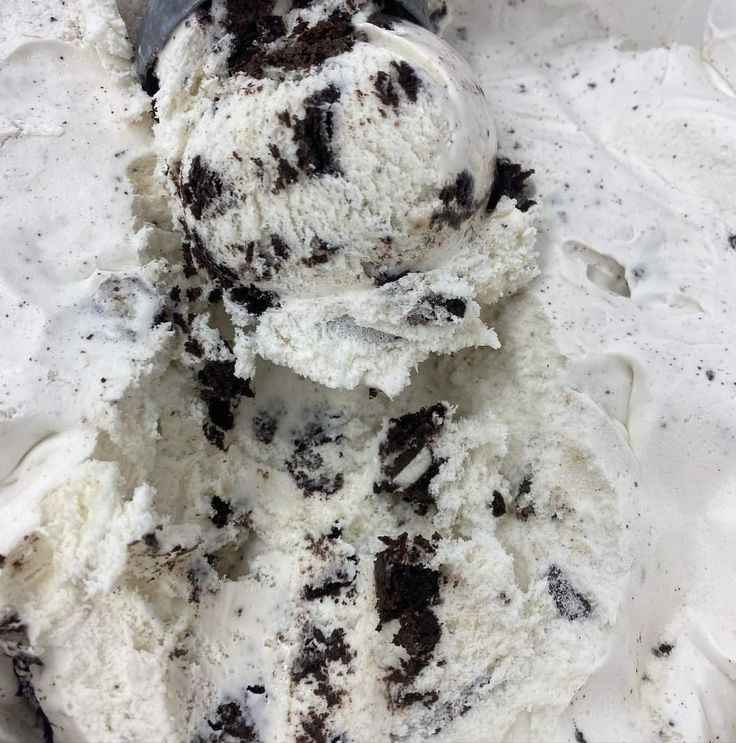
[(338, 163)]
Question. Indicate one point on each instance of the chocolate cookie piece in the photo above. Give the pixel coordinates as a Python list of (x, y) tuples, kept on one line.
[(570, 603), (510, 181)]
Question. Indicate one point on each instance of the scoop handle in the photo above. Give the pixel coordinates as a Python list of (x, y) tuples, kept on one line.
[(163, 16)]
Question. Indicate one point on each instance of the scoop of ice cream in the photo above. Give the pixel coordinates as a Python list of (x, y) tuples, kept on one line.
[(338, 166), (343, 177)]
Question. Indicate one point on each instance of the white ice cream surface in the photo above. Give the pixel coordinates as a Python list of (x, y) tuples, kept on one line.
[(209, 534)]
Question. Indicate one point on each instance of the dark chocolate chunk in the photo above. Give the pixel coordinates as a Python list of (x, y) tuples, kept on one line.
[(286, 172), (579, 737), (201, 188), (525, 512), (498, 504), (232, 719), (317, 651), (151, 85), (457, 199), (664, 648), (460, 192), (321, 253), (221, 389), (219, 380), (383, 277), (220, 413), (314, 729), (408, 698), (313, 134), (570, 603), (435, 308), (264, 427), (203, 259), (15, 644), (525, 486), (252, 26), (417, 493), (305, 48), (382, 20), (385, 90), (331, 587), (254, 299), (306, 464), (407, 435), (204, 13), (221, 511), (214, 435), (401, 584), (510, 181), (408, 79), (194, 347), (418, 633)]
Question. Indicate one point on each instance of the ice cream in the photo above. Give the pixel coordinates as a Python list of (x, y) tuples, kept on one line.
[(340, 166), (528, 542)]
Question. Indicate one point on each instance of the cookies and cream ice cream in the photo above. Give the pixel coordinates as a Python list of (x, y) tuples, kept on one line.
[(520, 539), (339, 164)]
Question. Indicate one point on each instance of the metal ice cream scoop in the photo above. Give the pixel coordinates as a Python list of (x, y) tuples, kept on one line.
[(163, 16)]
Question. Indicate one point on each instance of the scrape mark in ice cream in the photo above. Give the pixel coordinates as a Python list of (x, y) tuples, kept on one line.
[(15, 644), (570, 603), (602, 270)]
